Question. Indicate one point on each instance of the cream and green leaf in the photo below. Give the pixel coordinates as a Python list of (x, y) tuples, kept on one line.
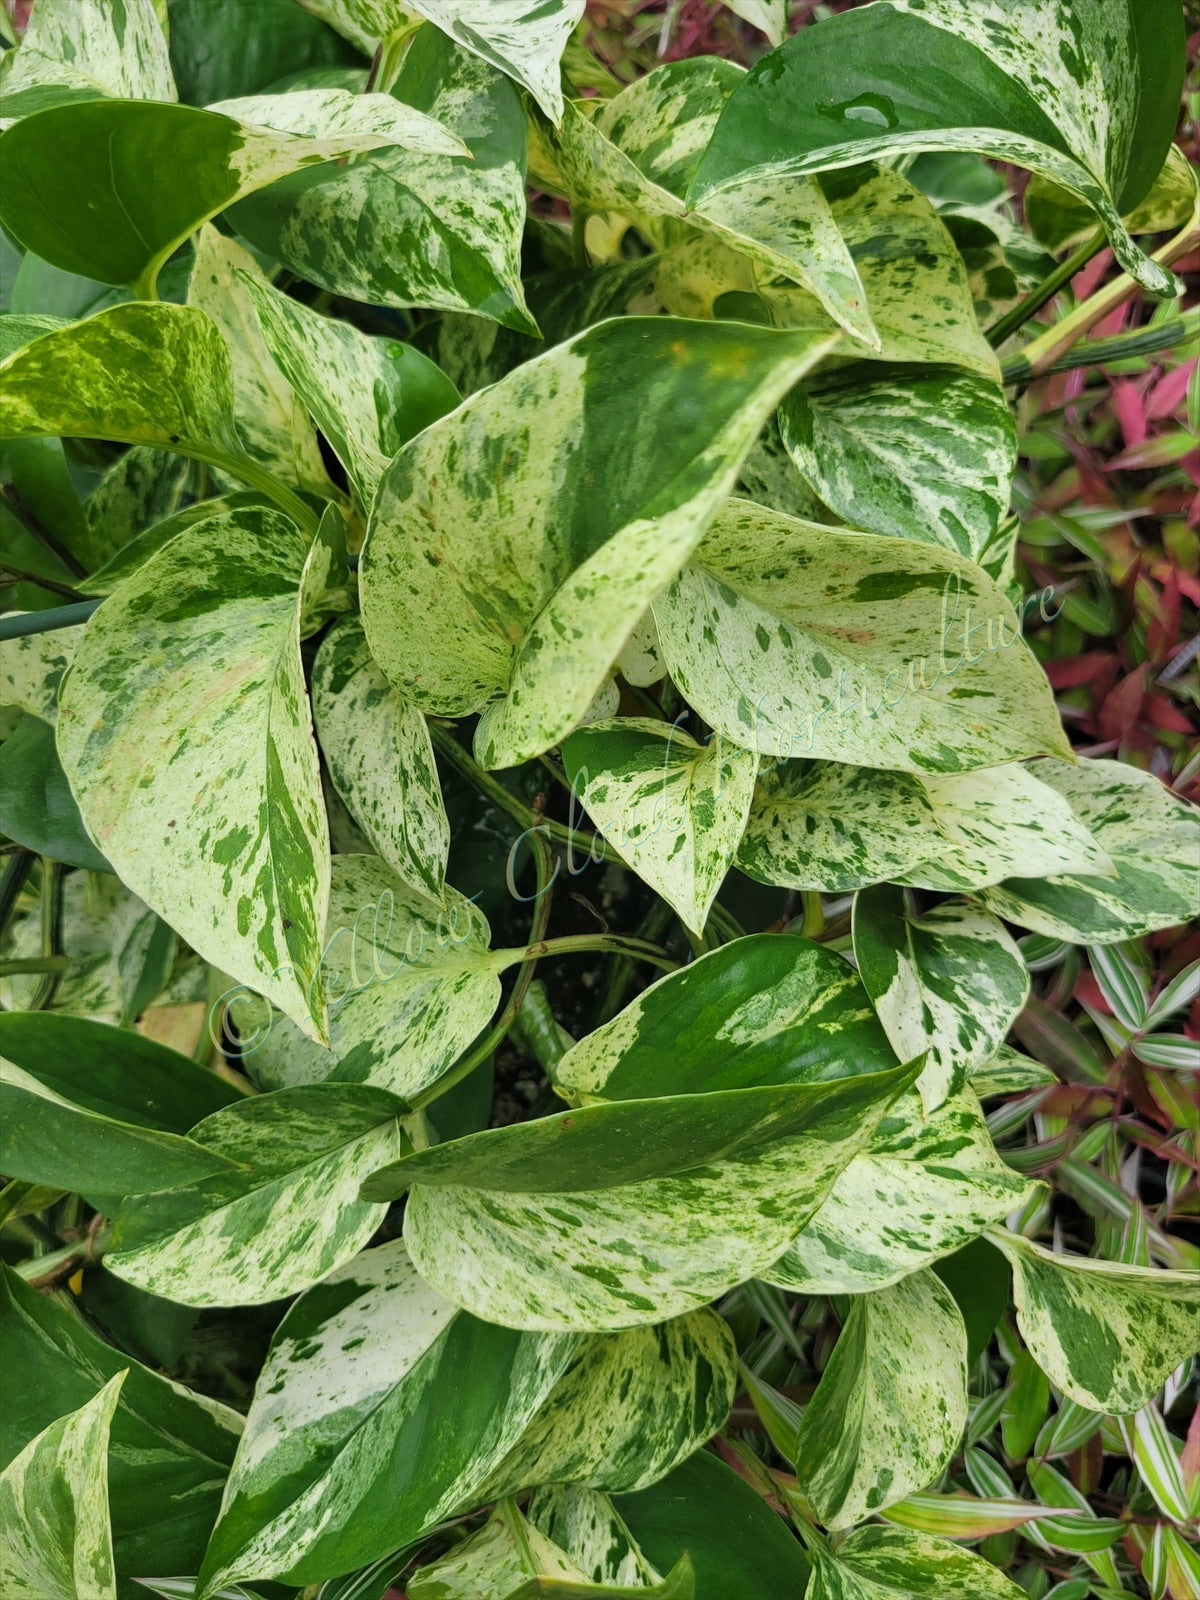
[(85, 49), (882, 1563)]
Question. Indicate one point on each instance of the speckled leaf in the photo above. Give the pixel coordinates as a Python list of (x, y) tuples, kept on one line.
[(1000, 821), (1059, 219), (1085, 101), (1151, 838), (891, 1405), (1107, 1335), (288, 1215), (332, 114), (924, 1187), (926, 456), (877, 1563), (410, 983), (588, 1526), (381, 1409), (82, 49), (369, 396), (507, 1559), (603, 459), (56, 1543), (185, 734), (31, 669), (950, 983), (93, 187), (380, 758), (826, 825), (618, 1214), (672, 808), (398, 229), (852, 648), (271, 422)]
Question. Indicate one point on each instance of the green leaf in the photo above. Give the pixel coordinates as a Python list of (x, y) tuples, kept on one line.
[(891, 1405), (877, 1563), (1026, 1402), (911, 453), (827, 825), (951, 983), (287, 1217), (615, 449), (57, 1543), (851, 648), (37, 808), (1009, 1072), (1059, 219), (673, 808), (186, 701), (1106, 1335), (1150, 837), (397, 229), (368, 396), (92, 187), (170, 1449), (82, 49), (1086, 104), (221, 48), (924, 1187), (1003, 819)]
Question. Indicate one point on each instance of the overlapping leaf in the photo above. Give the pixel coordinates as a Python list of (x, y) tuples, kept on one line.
[(588, 1526), (83, 49), (877, 1563)]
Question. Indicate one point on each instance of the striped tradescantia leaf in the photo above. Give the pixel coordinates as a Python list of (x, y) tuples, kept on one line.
[(1157, 1457), (115, 210), (615, 449), (56, 1542), (207, 637), (673, 808), (398, 229), (271, 422), (851, 648), (82, 49), (1107, 1335), (285, 1218), (891, 1405), (951, 983), (963, 1516), (410, 982), (925, 456), (924, 1187), (877, 1563), (1085, 103), (380, 758), (368, 396), (588, 1526), (998, 821), (826, 825), (1150, 837)]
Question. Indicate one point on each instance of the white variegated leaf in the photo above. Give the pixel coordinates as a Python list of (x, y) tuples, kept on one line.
[(852, 648), (882, 1563), (588, 1526), (891, 1405), (768, 16), (950, 983), (75, 49), (1152, 840), (376, 119), (925, 1186), (1009, 1072), (614, 450), (672, 808), (506, 1560), (55, 1538), (1107, 1335), (32, 667)]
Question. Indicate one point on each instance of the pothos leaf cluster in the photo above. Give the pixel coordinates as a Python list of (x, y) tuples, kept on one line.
[(676, 500)]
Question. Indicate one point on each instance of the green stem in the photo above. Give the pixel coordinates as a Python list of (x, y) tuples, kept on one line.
[(50, 1266), (259, 478), (22, 575), (537, 1030), (24, 964), (1176, 334), (602, 943), (16, 870), (28, 622), (1033, 302)]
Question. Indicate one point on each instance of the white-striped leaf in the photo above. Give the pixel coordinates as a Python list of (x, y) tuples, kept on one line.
[(1107, 1335), (55, 1537), (398, 229), (285, 1218), (924, 1187), (850, 648), (1157, 1458), (963, 1516), (950, 983), (891, 1405), (1181, 991), (80, 49), (613, 451), (999, 821), (925, 456), (1152, 839), (194, 764), (672, 808), (380, 757), (827, 825), (1122, 980), (1086, 103), (877, 1563), (1173, 1051), (369, 396)]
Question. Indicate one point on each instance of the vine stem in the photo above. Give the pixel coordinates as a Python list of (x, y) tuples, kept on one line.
[(1178, 333), (1033, 302), (601, 944)]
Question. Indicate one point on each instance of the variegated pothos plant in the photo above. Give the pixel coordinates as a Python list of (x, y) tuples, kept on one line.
[(679, 501)]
